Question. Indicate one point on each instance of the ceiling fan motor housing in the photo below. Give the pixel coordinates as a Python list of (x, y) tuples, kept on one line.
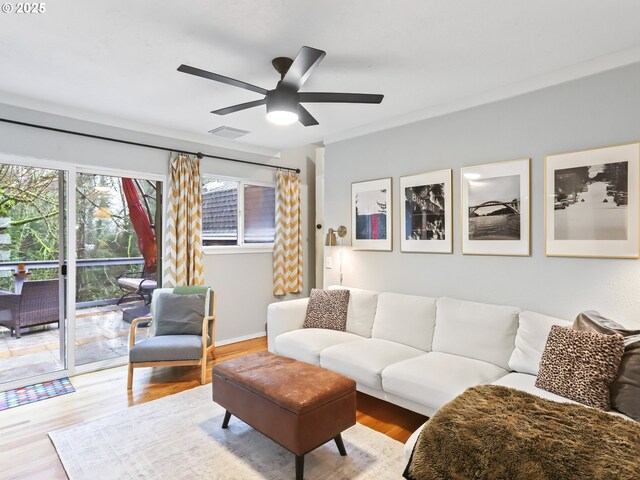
[(282, 99)]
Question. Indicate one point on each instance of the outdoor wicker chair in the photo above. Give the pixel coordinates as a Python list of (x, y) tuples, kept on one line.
[(37, 304)]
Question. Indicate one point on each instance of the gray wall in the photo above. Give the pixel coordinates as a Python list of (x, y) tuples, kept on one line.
[(243, 281), (594, 111)]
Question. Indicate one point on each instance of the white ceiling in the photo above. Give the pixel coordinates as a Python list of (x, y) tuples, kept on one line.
[(114, 61)]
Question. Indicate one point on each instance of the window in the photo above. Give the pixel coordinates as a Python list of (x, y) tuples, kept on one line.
[(237, 212)]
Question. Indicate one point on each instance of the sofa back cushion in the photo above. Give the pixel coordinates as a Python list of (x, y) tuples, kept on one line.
[(476, 330), (406, 319), (361, 311), (533, 330)]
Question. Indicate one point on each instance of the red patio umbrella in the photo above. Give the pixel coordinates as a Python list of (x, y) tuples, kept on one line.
[(142, 225)]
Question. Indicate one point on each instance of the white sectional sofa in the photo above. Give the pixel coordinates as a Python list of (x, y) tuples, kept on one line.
[(419, 352)]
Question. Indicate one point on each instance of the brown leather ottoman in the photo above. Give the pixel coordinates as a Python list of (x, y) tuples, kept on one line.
[(298, 405)]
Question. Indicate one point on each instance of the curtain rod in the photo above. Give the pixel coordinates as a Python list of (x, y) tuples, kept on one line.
[(138, 144)]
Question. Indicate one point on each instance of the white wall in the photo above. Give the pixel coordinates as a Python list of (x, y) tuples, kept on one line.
[(595, 111), (243, 282)]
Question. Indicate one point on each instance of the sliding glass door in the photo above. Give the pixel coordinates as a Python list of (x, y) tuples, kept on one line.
[(118, 222), (80, 253), (33, 286)]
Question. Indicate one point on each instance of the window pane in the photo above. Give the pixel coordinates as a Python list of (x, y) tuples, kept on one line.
[(219, 212), (259, 214)]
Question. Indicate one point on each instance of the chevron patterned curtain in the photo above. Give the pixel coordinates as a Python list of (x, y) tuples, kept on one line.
[(183, 236), (287, 250)]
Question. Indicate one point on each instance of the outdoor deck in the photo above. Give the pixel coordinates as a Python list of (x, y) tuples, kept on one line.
[(101, 334)]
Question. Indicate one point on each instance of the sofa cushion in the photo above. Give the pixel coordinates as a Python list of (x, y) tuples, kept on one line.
[(580, 365), (527, 383), (363, 361), (327, 309), (435, 378), (307, 343), (406, 319), (362, 310), (531, 338), (476, 330)]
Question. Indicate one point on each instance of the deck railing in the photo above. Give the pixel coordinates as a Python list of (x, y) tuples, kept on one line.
[(109, 281)]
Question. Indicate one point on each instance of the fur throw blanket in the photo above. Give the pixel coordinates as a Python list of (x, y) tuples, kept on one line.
[(494, 432)]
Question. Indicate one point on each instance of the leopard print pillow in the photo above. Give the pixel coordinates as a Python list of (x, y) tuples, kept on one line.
[(327, 309), (580, 365)]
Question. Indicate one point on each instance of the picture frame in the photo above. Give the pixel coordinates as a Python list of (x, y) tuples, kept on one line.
[(426, 213), (496, 208), (592, 202), (371, 215)]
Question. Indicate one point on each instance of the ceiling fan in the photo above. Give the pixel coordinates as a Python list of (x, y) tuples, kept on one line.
[(283, 102)]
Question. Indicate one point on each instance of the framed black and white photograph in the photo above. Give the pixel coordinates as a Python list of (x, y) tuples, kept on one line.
[(591, 202), (496, 215), (371, 215), (425, 205)]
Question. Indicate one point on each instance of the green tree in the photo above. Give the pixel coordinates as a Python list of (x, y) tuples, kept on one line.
[(29, 205)]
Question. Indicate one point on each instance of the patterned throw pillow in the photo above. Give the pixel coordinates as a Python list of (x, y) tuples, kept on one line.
[(580, 365), (327, 309)]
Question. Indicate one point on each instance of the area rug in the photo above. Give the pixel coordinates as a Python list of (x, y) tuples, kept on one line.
[(180, 437), (35, 393)]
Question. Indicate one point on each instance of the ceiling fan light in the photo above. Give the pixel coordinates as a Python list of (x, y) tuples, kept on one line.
[(282, 117), (282, 105)]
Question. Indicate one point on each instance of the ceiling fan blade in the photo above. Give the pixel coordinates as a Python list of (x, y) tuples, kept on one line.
[(239, 107), (303, 65), (220, 78), (305, 118), (326, 97)]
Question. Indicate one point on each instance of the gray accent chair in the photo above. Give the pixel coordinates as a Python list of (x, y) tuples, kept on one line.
[(37, 304), (174, 350)]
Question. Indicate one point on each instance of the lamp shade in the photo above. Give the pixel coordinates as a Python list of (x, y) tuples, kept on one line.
[(331, 239)]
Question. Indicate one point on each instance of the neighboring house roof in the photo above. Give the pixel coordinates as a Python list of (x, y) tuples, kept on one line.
[(219, 211)]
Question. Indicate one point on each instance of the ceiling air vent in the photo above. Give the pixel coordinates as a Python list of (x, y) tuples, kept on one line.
[(228, 132)]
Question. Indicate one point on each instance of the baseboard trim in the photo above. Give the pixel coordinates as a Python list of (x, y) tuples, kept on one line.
[(251, 336)]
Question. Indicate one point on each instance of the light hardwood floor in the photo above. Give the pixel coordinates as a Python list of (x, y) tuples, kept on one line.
[(27, 453)]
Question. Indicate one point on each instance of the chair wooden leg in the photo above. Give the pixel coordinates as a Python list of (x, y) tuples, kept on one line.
[(203, 372), (130, 378)]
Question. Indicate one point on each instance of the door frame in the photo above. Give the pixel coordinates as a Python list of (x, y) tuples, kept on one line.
[(69, 334)]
